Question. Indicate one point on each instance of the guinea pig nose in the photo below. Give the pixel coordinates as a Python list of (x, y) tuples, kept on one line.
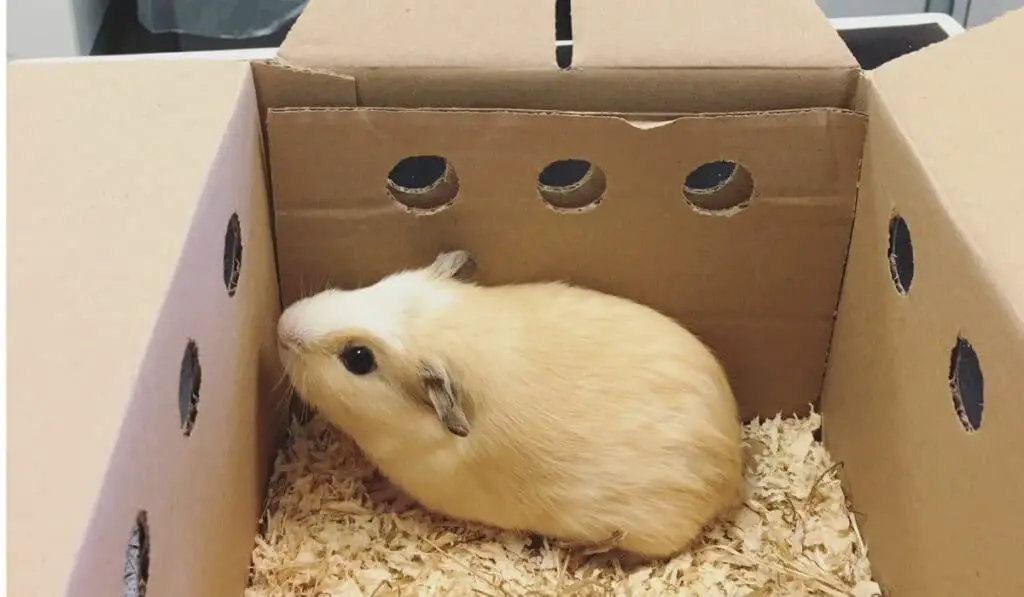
[(288, 341)]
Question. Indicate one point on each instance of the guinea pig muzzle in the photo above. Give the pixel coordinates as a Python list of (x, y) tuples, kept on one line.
[(288, 342)]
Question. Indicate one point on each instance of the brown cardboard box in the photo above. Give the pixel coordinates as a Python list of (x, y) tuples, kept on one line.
[(126, 178)]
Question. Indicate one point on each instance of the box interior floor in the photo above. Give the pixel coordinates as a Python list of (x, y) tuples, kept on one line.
[(859, 252)]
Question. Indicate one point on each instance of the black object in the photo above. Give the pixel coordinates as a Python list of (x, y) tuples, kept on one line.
[(121, 33), (874, 47), (359, 360)]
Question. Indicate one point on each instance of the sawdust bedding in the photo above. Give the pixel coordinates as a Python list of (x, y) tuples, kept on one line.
[(325, 535)]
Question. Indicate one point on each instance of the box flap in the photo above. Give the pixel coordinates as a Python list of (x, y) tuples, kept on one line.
[(123, 179), (669, 57), (403, 33), (521, 35), (959, 103), (723, 33)]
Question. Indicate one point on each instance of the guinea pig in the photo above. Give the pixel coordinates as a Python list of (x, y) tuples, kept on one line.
[(540, 407)]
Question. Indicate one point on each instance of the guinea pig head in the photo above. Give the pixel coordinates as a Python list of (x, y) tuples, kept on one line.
[(363, 357)]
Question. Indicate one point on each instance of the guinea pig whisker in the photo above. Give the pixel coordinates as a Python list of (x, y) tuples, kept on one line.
[(284, 376), (325, 283), (283, 399)]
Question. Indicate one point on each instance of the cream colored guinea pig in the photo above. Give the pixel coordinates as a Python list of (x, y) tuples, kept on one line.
[(536, 407)]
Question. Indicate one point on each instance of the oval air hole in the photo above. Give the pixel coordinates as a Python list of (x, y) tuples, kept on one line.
[(188, 387), (722, 187), (423, 184), (900, 254), (967, 384), (571, 185), (232, 254), (136, 561)]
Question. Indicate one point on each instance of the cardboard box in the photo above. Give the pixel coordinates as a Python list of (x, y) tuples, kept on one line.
[(161, 214)]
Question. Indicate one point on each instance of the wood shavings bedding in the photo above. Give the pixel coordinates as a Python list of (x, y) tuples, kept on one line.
[(326, 536)]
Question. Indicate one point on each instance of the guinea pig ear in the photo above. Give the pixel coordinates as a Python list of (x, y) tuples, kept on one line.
[(458, 265), (444, 398)]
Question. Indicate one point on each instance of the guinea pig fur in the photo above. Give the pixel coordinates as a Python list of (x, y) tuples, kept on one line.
[(537, 407)]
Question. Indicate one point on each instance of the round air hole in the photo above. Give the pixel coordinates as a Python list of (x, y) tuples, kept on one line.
[(571, 185), (232, 254), (967, 384), (188, 387), (423, 183), (901, 254), (136, 561), (721, 187)]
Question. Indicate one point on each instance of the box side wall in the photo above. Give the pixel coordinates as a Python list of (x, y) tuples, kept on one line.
[(203, 508), (126, 180), (970, 137), (940, 505), (770, 318)]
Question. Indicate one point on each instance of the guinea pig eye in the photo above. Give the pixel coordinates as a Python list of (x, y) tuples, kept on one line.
[(358, 359)]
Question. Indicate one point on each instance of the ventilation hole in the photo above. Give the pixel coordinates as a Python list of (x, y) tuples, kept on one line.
[(721, 187), (136, 562), (188, 387), (232, 254), (563, 33), (967, 384), (423, 184), (571, 185), (900, 254)]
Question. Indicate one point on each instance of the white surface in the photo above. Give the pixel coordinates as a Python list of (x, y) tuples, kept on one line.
[(43, 28), (950, 25), (253, 54)]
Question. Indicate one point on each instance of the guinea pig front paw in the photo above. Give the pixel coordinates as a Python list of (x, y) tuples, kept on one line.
[(599, 554), (382, 492), (590, 548)]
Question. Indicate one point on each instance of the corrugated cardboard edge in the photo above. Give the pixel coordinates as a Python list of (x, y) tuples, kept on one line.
[(608, 89), (659, 118)]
